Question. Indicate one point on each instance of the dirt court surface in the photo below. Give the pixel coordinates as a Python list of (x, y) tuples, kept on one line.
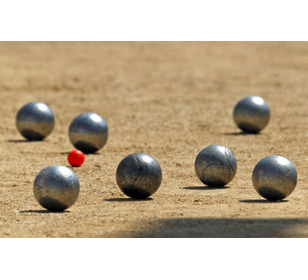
[(167, 99)]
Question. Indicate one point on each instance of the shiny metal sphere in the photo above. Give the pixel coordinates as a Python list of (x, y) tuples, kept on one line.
[(139, 175), (35, 121), (215, 166), (274, 177), (88, 132), (251, 114), (56, 188)]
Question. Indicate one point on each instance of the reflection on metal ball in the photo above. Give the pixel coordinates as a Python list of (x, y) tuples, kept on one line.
[(139, 175), (251, 114), (56, 188), (274, 177), (35, 121), (215, 166), (88, 132)]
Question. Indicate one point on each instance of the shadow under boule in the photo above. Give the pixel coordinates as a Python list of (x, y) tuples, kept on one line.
[(128, 199), (205, 188), (43, 211), (22, 141), (262, 201), (242, 133)]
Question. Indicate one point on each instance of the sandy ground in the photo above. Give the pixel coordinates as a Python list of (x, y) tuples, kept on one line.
[(169, 100)]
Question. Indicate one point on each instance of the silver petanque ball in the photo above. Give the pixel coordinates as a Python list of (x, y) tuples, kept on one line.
[(56, 188), (139, 175), (88, 132), (251, 114), (35, 121), (215, 166), (274, 177)]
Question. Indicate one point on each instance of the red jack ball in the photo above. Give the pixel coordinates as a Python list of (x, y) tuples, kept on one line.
[(75, 158)]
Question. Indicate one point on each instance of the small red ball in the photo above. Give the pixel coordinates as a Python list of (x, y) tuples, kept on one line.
[(75, 158)]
